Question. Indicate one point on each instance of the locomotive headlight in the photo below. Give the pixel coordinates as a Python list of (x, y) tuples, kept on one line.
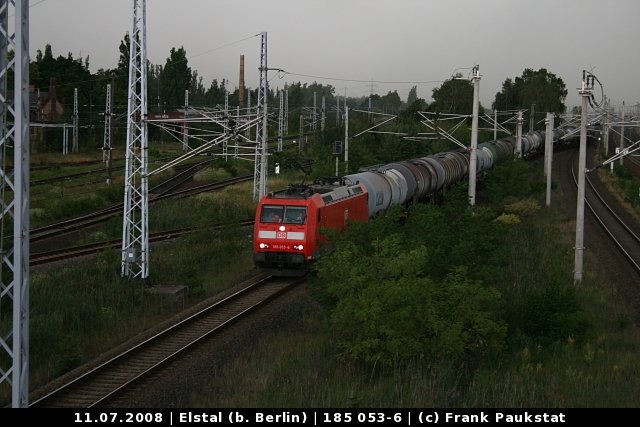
[(281, 228), (264, 246), (298, 247)]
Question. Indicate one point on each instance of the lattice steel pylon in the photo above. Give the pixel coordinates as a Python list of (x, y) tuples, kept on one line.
[(185, 136), (261, 162), (135, 219), (280, 119), (14, 253), (106, 143)]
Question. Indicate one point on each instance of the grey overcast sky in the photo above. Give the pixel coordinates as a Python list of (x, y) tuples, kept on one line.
[(366, 40)]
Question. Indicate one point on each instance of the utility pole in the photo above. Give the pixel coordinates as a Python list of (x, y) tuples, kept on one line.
[(14, 215), (473, 158), (106, 144), (585, 93), (548, 154)]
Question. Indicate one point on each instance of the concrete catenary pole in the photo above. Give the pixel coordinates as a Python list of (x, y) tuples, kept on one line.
[(605, 128), (519, 135), (495, 125), (585, 92), (473, 158), (622, 133), (346, 138), (548, 155)]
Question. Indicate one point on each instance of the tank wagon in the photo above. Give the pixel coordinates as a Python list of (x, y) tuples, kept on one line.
[(288, 223)]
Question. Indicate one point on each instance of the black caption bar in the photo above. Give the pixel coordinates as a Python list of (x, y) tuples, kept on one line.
[(317, 417)]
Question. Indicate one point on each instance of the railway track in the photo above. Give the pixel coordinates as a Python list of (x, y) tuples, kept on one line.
[(620, 233), (147, 360), (39, 258), (157, 193), (79, 174)]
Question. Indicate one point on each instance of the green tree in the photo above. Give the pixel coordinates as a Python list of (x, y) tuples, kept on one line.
[(197, 91), (215, 93), (454, 96), (391, 102), (413, 95), (175, 78), (67, 73), (542, 88)]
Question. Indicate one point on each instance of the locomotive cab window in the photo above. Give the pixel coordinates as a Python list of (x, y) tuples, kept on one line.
[(295, 215), (272, 213)]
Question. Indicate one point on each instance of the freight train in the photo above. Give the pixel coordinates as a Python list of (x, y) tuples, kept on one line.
[(288, 223)]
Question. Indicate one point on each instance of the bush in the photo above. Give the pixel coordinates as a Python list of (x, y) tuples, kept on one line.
[(547, 315), (390, 296)]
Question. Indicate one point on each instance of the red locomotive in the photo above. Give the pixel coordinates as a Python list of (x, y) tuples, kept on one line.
[(288, 223)]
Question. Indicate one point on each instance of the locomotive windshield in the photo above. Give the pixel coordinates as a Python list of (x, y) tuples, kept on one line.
[(272, 213), (283, 214), (295, 215)]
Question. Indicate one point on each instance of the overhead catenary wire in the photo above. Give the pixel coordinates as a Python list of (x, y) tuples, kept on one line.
[(360, 80)]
